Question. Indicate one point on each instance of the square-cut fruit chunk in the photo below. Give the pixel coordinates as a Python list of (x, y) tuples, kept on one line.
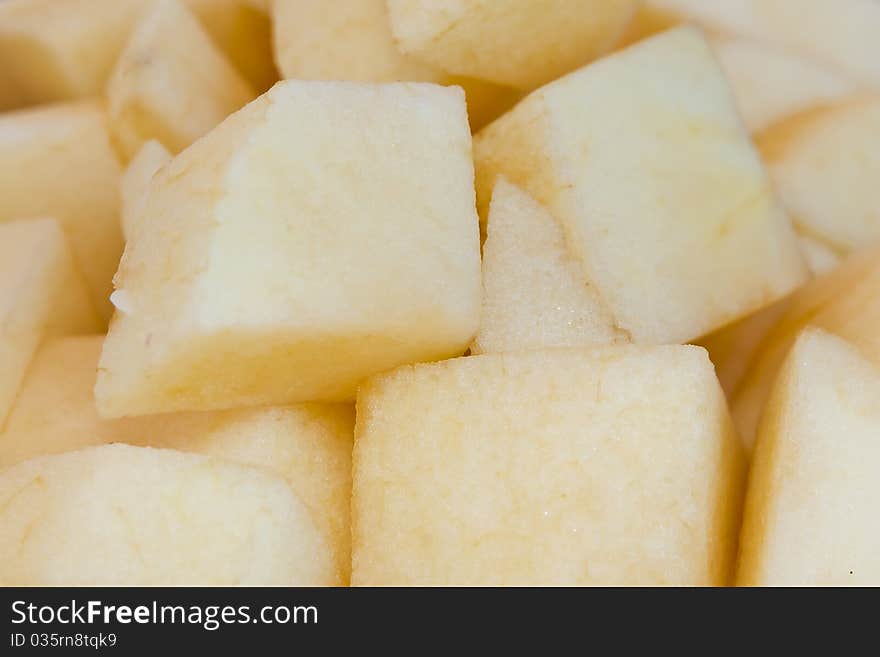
[(845, 302), (307, 444), (614, 465), (171, 83), (41, 294), (535, 294), (57, 161), (53, 50), (134, 516), (137, 178), (325, 233), (644, 161), (353, 41), (521, 43), (771, 84), (826, 166), (811, 515), (243, 31), (840, 33)]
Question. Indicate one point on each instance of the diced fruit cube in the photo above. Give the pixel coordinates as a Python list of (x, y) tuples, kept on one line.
[(826, 166), (520, 43), (841, 33), (53, 50), (646, 164), (243, 31), (171, 83), (57, 161), (351, 42), (615, 465), (535, 293), (309, 445), (133, 516), (811, 515), (844, 302), (325, 233), (136, 181), (41, 294), (354, 42), (771, 84)]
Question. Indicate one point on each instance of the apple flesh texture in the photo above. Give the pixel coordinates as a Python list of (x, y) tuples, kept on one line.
[(611, 465), (811, 512)]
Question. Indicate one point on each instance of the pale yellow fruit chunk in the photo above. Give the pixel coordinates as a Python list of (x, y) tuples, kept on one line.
[(610, 466), (137, 178), (535, 293), (171, 83), (820, 257), (643, 159), (844, 302), (324, 233), (826, 167), (811, 515), (840, 33), (53, 50), (41, 294), (243, 31), (133, 516), (57, 161), (771, 84), (734, 347), (519, 43), (307, 444), (353, 41)]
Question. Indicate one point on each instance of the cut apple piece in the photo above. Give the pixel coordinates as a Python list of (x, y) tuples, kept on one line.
[(57, 161), (535, 293), (307, 444), (734, 347), (133, 516), (171, 83), (659, 190), (41, 294), (616, 465), (136, 180), (826, 166), (841, 33), (243, 31), (811, 515), (522, 44), (771, 84), (844, 302), (324, 233), (53, 51), (354, 42)]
